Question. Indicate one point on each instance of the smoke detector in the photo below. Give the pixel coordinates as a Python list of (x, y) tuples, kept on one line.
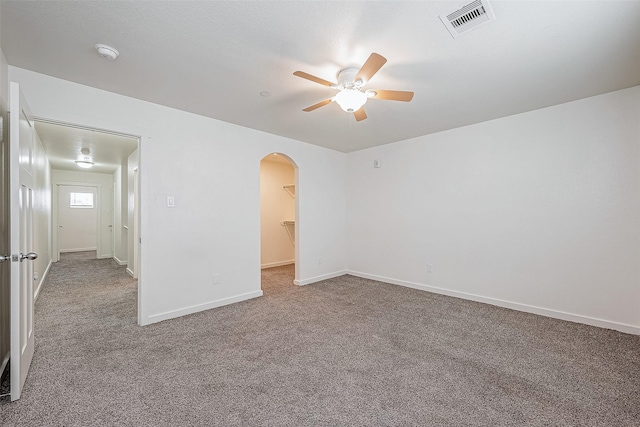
[(467, 17), (108, 52)]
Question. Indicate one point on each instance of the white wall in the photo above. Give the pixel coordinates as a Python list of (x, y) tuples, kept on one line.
[(276, 205), (104, 183), (77, 227), (208, 166), (538, 211)]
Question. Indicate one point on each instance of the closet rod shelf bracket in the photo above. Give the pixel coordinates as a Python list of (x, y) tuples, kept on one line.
[(291, 189)]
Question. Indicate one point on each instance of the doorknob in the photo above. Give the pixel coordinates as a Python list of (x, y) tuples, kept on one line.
[(4, 258), (30, 256)]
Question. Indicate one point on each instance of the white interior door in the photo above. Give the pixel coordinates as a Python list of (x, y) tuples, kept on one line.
[(21, 152), (78, 223)]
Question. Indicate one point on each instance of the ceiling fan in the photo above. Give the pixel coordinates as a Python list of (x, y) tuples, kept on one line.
[(351, 98)]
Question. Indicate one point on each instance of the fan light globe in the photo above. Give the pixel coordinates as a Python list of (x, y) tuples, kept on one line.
[(86, 164), (351, 100)]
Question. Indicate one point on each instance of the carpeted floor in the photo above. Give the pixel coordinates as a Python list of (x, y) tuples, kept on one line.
[(343, 352)]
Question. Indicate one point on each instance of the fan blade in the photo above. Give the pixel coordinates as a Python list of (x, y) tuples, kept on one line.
[(313, 78), (393, 95), (373, 64), (318, 105), (360, 115)]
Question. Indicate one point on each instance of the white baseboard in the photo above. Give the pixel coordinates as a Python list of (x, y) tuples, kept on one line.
[(199, 307), (78, 250), (42, 279), (278, 264), (104, 256), (129, 272), (319, 278), (119, 261), (556, 314)]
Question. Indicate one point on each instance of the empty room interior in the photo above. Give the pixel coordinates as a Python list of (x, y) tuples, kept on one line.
[(320, 213)]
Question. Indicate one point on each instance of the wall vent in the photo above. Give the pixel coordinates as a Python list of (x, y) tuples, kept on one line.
[(467, 17)]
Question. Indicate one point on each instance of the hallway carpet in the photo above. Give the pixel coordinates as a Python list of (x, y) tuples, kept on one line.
[(342, 352)]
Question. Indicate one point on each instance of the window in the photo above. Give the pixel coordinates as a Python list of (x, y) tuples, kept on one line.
[(81, 200)]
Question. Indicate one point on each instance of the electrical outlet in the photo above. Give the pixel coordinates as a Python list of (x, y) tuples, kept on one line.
[(216, 279), (429, 268), (319, 260)]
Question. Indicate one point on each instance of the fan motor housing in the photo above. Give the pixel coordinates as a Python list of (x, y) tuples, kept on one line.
[(346, 78)]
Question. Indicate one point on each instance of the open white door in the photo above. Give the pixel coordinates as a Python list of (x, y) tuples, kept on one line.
[(21, 152)]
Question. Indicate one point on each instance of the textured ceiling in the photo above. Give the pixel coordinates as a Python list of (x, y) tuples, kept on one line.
[(214, 59), (63, 146)]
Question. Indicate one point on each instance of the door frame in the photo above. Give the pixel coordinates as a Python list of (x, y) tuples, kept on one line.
[(136, 221), (5, 265), (55, 212)]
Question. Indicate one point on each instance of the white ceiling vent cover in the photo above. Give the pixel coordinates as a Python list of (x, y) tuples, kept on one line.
[(468, 17)]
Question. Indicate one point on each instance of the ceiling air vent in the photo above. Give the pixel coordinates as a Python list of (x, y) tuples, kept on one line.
[(467, 17)]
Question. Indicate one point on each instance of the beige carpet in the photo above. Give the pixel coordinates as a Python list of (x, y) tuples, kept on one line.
[(343, 352)]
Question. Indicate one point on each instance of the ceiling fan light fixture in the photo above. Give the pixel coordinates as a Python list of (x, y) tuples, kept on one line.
[(86, 164), (351, 100), (351, 97)]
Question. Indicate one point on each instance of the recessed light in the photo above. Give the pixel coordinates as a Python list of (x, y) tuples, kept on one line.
[(108, 52)]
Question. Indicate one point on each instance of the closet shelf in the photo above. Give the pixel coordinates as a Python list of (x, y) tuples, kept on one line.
[(291, 189), (287, 222)]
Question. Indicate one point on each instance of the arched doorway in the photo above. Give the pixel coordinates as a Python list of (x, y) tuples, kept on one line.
[(278, 221)]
